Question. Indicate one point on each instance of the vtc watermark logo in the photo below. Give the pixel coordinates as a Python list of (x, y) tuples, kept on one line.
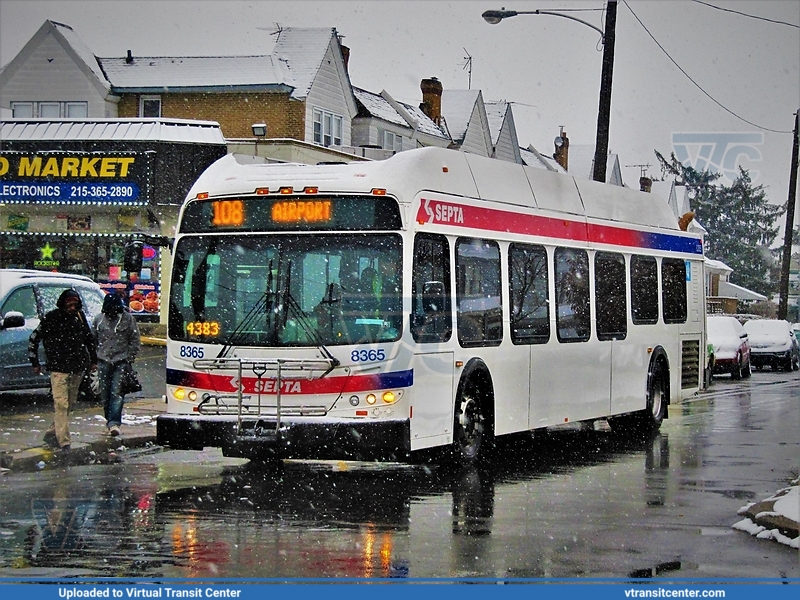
[(718, 152)]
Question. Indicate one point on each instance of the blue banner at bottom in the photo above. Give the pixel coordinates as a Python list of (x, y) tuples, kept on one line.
[(398, 590)]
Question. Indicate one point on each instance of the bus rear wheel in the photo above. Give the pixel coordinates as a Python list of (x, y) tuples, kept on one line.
[(648, 420)]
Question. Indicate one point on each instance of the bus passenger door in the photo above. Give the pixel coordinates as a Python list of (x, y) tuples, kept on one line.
[(432, 330), (431, 404)]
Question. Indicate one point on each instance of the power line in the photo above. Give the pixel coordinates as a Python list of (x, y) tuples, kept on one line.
[(697, 85), (747, 15)]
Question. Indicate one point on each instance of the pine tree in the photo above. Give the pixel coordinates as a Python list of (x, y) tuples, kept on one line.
[(740, 222)]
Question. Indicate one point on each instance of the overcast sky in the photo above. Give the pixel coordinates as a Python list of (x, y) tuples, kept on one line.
[(548, 67)]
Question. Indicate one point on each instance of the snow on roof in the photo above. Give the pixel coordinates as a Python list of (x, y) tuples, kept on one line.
[(167, 130), (581, 161), (379, 107), (496, 115), (731, 290), (194, 72), (301, 50), (457, 107), (533, 158), (81, 49)]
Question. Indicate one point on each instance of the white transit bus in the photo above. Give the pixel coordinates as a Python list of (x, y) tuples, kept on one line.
[(436, 299)]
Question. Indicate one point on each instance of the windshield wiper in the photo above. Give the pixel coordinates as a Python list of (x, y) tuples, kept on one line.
[(290, 305)]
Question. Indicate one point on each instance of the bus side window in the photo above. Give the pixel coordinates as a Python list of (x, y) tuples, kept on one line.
[(610, 296), (573, 316), (431, 318), (478, 291), (673, 290), (528, 293), (644, 290)]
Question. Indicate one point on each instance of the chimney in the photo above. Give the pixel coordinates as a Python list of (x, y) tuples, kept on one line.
[(561, 154), (432, 99), (129, 58), (345, 56), (645, 184)]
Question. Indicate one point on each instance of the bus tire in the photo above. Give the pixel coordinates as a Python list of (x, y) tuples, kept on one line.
[(657, 398), (473, 417), (647, 421)]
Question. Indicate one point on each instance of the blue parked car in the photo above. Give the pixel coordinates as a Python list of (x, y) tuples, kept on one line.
[(25, 296)]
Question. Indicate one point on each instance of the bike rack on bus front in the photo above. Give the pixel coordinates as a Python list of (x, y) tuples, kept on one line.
[(259, 367)]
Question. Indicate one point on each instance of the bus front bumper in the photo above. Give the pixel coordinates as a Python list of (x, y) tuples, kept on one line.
[(297, 438)]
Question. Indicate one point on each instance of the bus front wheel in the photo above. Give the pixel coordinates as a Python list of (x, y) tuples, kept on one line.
[(473, 435)]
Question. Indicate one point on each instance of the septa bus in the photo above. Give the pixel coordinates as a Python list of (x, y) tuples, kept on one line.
[(433, 301)]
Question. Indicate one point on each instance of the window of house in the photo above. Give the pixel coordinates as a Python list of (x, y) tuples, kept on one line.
[(22, 110), (77, 110), (327, 128), (150, 106), (392, 141), (49, 110)]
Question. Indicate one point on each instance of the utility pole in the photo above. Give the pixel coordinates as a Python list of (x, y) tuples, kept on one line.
[(604, 110), (786, 260)]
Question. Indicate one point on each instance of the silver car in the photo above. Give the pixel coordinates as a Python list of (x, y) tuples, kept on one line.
[(25, 296), (773, 344)]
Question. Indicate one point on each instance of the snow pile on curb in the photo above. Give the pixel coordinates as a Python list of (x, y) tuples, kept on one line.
[(774, 518)]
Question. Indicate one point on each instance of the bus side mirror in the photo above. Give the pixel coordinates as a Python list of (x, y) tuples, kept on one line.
[(133, 257)]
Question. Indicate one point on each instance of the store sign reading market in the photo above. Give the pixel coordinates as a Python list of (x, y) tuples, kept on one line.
[(71, 176)]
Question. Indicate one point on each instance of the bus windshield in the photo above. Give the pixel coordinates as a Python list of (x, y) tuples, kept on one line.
[(287, 290)]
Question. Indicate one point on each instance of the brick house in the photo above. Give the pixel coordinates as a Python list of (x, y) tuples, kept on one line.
[(300, 91)]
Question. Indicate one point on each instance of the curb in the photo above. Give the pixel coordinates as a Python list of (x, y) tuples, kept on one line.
[(762, 513), (104, 450)]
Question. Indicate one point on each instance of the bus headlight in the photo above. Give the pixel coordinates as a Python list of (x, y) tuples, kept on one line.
[(179, 393), (371, 399), (192, 395), (389, 397)]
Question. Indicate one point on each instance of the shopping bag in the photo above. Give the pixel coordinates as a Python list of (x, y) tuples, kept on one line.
[(129, 383)]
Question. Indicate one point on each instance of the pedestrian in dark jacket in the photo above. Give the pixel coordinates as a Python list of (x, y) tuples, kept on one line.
[(118, 343), (70, 350)]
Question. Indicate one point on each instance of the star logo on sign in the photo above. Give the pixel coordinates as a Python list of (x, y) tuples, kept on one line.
[(47, 251)]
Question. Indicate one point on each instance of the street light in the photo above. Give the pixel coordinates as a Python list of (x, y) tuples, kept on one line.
[(493, 17)]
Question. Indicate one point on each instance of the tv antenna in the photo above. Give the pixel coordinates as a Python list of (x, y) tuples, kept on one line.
[(468, 67), (277, 30), (642, 168)]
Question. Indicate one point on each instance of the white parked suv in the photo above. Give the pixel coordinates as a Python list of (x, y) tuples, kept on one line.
[(25, 296)]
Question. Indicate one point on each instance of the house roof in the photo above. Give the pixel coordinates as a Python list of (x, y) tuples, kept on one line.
[(301, 51), (496, 114), (168, 130), (193, 73), (378, 107), (581, 162), (531, 157), (291, 67), (731, 290), (80, 49), (457, 107)]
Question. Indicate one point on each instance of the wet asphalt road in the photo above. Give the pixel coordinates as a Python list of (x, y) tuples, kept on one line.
[(569, 503)]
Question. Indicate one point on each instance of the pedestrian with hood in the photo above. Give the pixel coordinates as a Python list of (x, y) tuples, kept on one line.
[(118, 343), (69, 350)]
